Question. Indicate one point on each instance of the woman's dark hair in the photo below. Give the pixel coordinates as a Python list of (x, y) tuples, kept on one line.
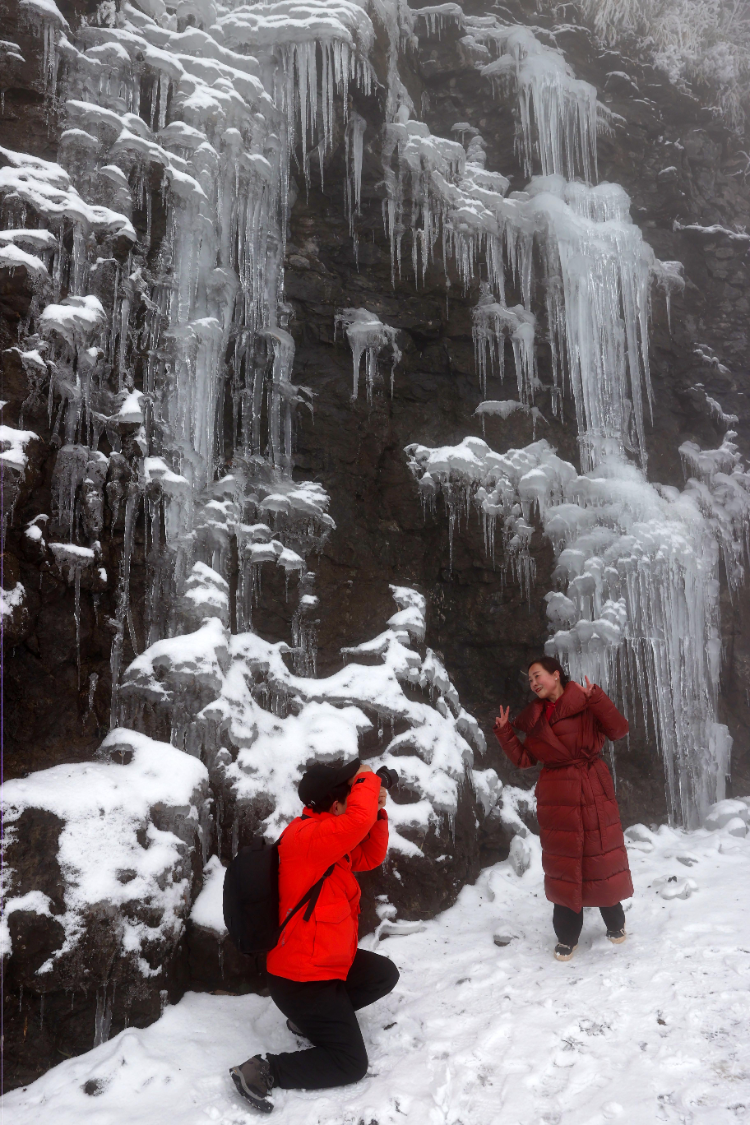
[(551, 665)]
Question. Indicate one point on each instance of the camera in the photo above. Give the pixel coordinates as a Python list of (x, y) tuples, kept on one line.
[(389, 778)]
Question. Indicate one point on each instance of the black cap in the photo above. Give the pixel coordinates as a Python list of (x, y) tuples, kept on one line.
[(320, 780)]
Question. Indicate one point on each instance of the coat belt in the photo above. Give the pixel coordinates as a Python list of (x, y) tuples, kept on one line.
[(580, 764)]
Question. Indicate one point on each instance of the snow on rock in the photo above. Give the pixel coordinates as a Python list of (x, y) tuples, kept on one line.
[(208, 908), (13, 258), (14, 615), (234, 701), (267, 771), (13, 443), (11, 600), (180, 665), (130, 828), (47, 189), (206, 594), (650, 1030), (726, 812)]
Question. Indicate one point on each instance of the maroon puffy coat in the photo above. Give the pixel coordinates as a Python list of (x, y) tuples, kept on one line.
[(583, 850)]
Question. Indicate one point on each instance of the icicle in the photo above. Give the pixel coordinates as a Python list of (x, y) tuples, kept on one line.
[(102, 1017), (123, 597), (368, 336), (77, 615), (491, 321), (354, 141)]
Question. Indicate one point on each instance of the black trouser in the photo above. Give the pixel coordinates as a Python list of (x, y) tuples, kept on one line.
[(568, 924), (324, 1011)]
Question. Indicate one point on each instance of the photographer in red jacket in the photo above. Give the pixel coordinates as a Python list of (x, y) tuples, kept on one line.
[(316, 974)]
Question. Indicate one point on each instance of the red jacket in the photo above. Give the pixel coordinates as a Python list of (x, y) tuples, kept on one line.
[(324, 947), (583, 850)]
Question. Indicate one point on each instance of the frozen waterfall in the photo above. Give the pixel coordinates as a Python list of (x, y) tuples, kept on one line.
[(159, 335)]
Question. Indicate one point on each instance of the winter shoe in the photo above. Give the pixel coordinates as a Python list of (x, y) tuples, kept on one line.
[(254, 1082), (564, 952), (617, 937)]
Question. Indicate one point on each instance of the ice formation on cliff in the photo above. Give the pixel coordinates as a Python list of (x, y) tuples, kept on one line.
[(638, 563), (160, 237), (155, 252), (368, 336), (637, 604)]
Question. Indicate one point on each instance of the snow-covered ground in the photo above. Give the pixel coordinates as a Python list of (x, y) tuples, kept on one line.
[(655, 1030)]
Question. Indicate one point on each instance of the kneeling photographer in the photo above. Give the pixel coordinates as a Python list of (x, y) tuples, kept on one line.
[(316, 974)]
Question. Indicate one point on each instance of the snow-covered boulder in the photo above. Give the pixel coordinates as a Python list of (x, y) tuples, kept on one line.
[(102, 862), (720, 814), (235, 702)]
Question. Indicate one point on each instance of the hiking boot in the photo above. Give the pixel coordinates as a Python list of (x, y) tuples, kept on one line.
[(564, 952), (617, 937), (254, 1082), (295, 1030)]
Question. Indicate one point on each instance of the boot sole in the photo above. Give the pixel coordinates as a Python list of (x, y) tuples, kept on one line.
[(249, 1095), (565, 956), (617, 940)]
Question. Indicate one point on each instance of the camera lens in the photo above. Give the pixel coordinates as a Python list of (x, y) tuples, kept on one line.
[(388, 777)]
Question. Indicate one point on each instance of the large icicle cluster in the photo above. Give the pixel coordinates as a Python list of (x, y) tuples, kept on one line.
[(597, 270), (637, 609), (638, 564), (559, 113)]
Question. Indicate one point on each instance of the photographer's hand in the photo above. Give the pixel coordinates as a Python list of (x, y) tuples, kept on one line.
[(382, 797)]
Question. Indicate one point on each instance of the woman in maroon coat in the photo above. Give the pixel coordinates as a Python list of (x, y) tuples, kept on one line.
[(583, 850)]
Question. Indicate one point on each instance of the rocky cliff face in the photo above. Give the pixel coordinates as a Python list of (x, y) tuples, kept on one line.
[(203, 506)]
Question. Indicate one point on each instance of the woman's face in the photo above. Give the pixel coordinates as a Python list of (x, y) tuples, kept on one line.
[(544, 684)]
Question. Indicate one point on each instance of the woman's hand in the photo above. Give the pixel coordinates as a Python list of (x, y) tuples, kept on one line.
[(588, 687), (502, 719), (382, 797)]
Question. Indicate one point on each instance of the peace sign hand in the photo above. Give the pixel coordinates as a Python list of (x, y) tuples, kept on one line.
[(502, 720), (588, 688)]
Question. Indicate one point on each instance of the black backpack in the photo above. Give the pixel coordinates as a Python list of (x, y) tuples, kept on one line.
[(251, 897)]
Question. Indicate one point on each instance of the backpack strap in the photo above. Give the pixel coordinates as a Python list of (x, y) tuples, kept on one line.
[(310, 897)]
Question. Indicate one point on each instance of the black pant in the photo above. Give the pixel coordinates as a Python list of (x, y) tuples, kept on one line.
[(324, 1011), (568, 924)]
